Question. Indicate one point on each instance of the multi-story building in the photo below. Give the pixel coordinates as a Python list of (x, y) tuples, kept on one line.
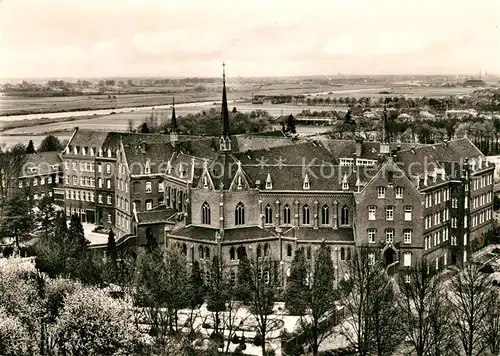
[(272, 195), (42, 175), (80, 173)]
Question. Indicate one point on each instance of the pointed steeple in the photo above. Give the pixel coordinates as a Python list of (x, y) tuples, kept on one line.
[(174, 130), (173, 126), (225, 139), (384, 141)]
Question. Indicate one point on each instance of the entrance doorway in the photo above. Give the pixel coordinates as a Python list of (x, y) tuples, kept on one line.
[(389, 256)]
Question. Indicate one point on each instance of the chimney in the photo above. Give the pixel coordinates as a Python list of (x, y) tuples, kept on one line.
[(417, 181), (425, 178)]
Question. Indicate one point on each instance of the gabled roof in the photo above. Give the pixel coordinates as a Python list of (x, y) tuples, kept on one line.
[(292, 154), (43, 161), (158, 215), (321, 177), (156, 154), (87, 138), (222, 170)]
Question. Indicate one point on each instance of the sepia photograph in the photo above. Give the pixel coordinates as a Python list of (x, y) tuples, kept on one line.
[(249, 178)]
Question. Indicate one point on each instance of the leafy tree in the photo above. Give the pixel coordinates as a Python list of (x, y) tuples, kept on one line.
[(111, 248), (30, 148), (471, 301), (53, 252), (50, 144), (144, 128), (423, 311), (79, 330), (177, 297), (46, 215), (195, 289), (76, 236), (17, 221), (290, 124), (296, 285), (150, 293), (11, 164), (150, 241)]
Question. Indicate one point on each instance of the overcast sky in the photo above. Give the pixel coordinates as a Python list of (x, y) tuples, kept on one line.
[(94, 38)]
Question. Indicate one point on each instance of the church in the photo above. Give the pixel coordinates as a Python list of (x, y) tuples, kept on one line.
[(270, 196)]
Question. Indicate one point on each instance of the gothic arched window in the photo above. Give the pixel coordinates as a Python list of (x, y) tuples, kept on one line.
[(287, 214), (268, 214), (267, 249), (205, 214), (200, 252), (289, 250), (231, 253), (306, 215), (241, 251), (344, 215), (325, 215), (239, 214), (259, 250)]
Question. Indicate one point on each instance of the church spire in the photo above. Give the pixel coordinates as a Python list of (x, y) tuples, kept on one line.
[(174, 130), (174, 119), (225, 139)]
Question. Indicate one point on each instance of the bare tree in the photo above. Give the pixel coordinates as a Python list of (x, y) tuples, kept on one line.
[(492, 324), (315, 297), (422, 311), (367, 297), (470, 299), (257, 283)]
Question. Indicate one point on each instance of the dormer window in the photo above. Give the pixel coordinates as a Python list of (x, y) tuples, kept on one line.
[(67, 150), (75, 150), (306, 184), (92, 152), (84, 151), (169, 168), (182, 171), (100, 152), (240, 184), (345, 183), (269, 182), (109, 153), (147, 168), (205, 182)]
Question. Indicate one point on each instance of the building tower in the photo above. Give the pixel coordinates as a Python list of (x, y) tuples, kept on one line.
[(174, 130), (384, 140), (225, 138)]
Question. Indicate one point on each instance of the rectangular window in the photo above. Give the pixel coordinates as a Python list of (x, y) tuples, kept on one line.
[(372, 210), (407, 236), (108, 183), (75, 180), (454, 203), (399, 192), (160, 187), (381, 192), (99, 198), (389, 213), (73, 164), (149, 204), (108, 168), (99, 168), (108, 199), (407, 259), (371, 235), (148, 187), (389, 235), (408, 210)]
